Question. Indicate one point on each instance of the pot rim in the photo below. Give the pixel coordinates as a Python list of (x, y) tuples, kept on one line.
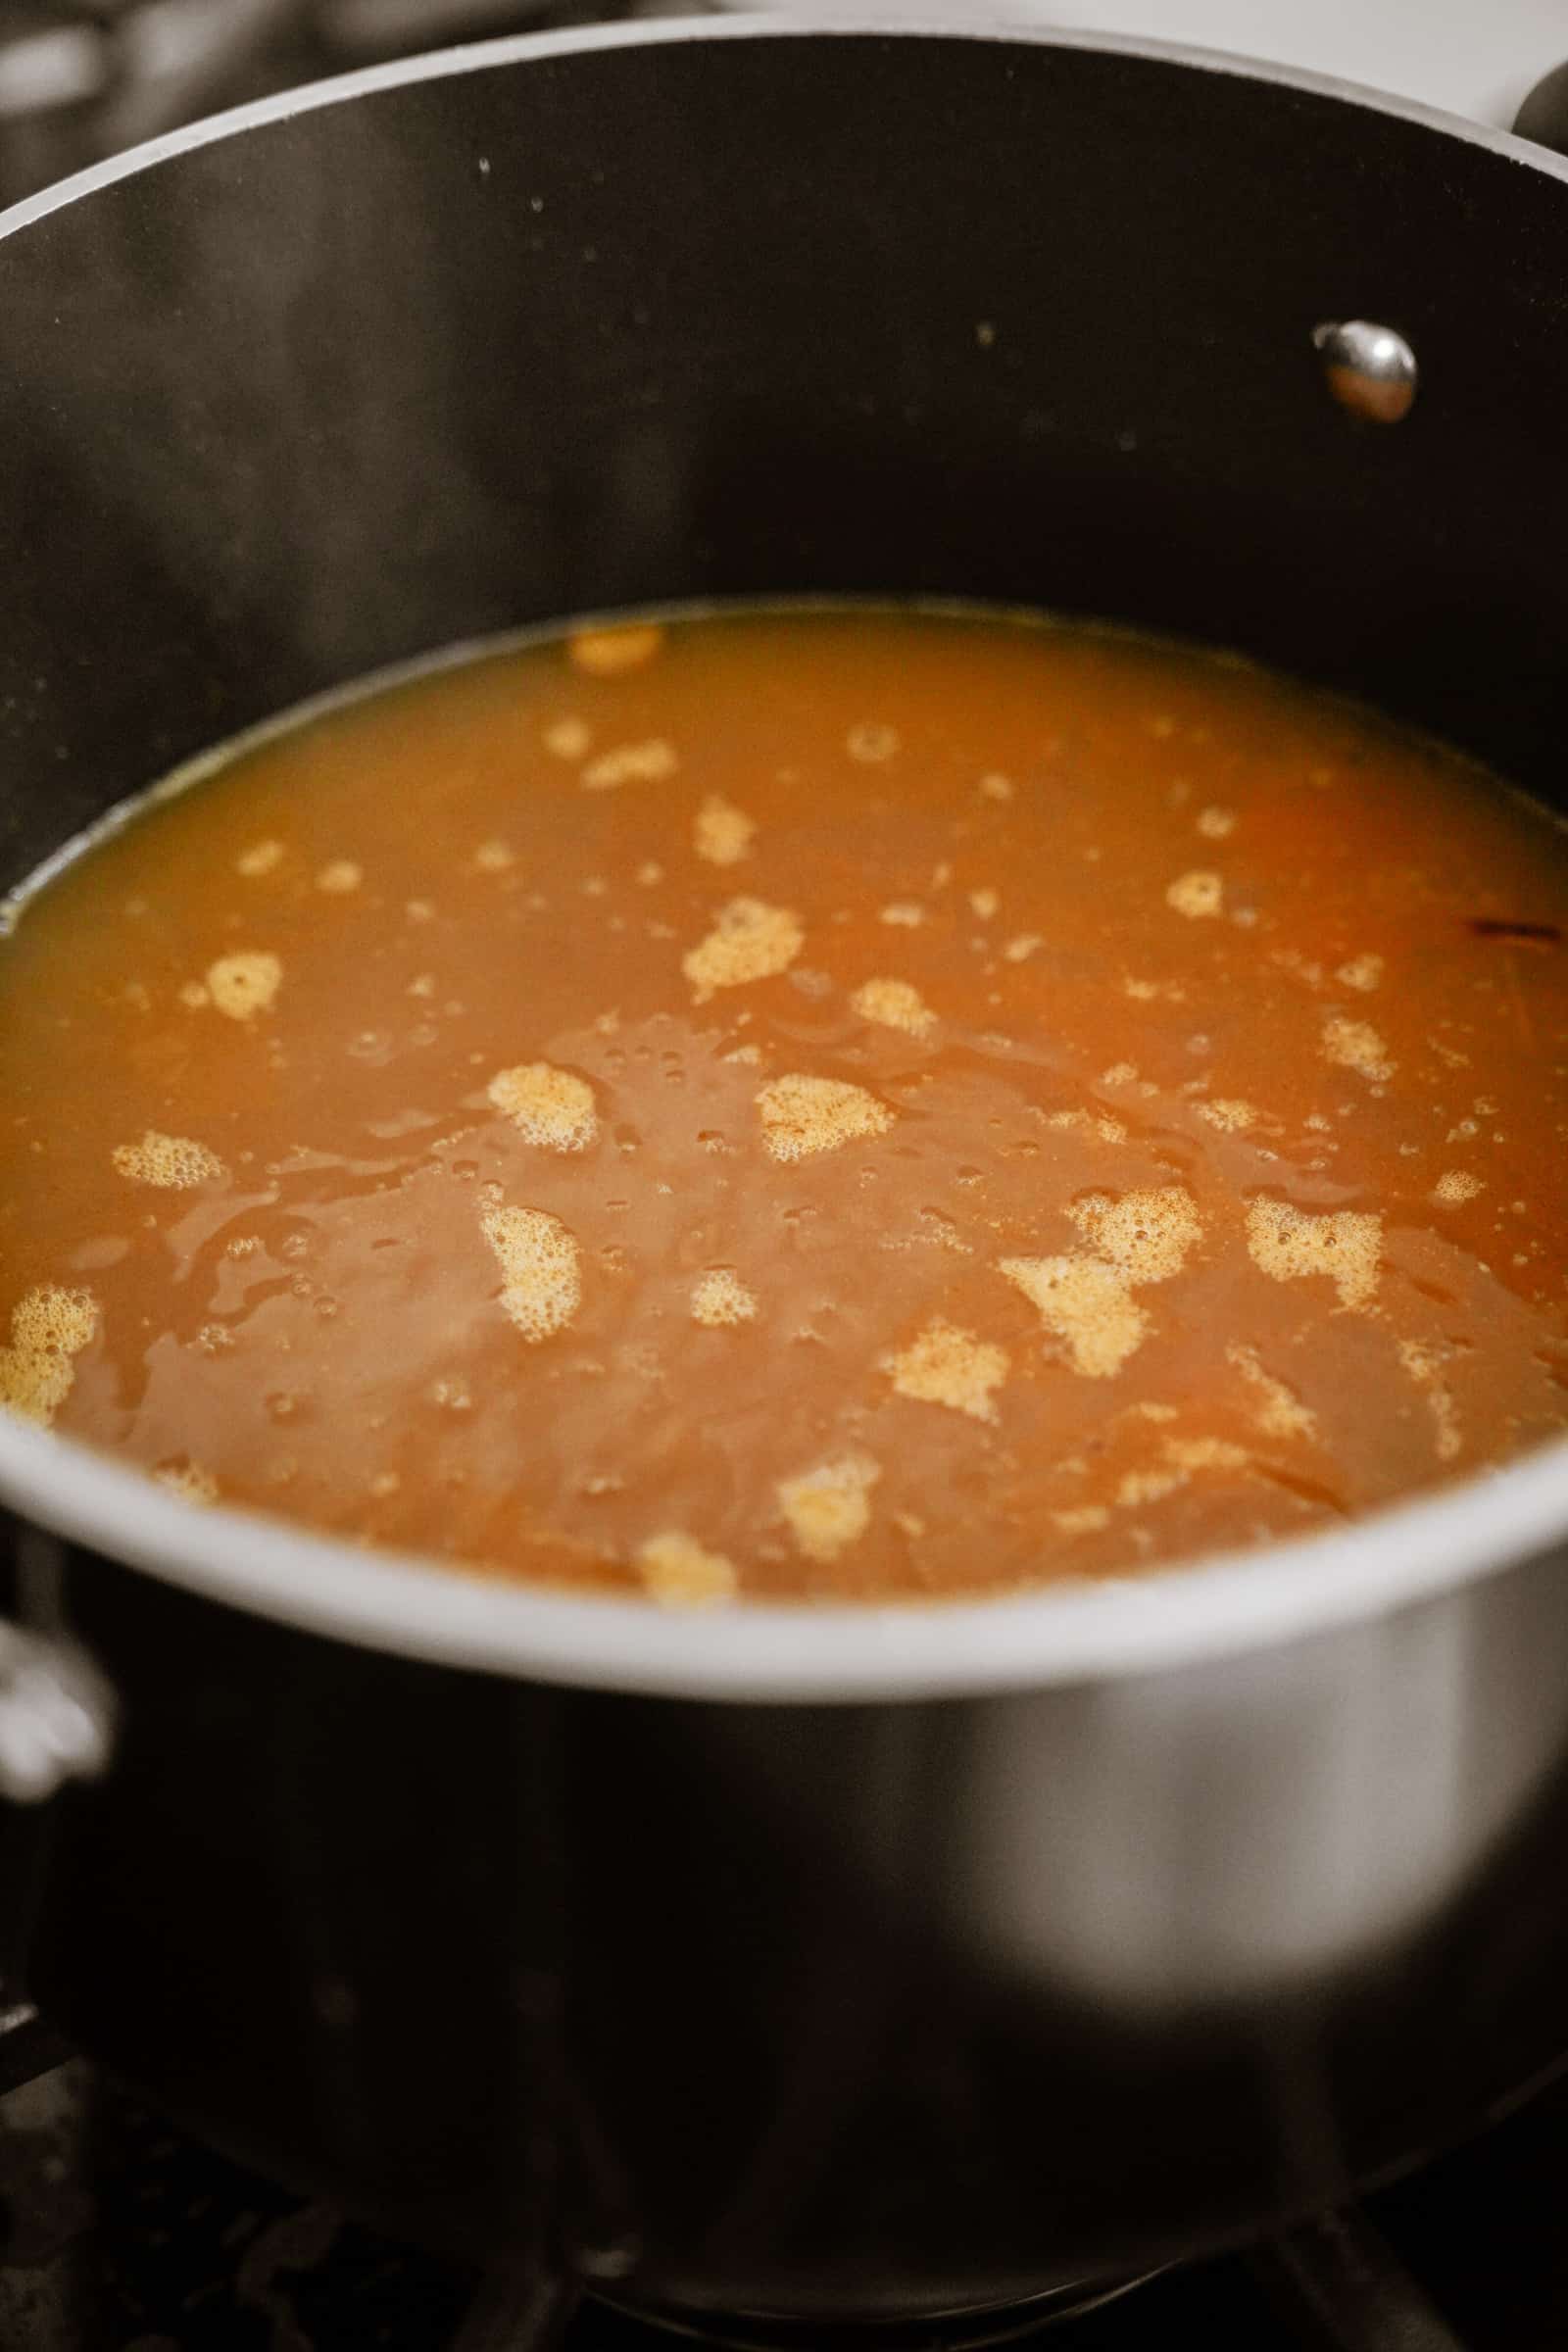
[(814, 1652)]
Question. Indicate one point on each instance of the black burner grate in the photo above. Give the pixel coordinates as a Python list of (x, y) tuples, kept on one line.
[(122, 2235)]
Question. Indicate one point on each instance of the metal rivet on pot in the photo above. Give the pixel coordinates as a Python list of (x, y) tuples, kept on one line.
[(1370, 369)]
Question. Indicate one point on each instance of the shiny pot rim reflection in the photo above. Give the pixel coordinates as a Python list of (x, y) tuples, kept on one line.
[(811, 1651)]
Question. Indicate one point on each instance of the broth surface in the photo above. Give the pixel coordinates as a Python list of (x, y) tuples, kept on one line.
[(808, 1103)]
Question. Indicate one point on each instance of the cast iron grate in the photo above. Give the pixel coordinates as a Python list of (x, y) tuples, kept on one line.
[(122, 2235)]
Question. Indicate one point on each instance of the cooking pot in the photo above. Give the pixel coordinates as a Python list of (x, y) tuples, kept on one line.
[(836, 1963)]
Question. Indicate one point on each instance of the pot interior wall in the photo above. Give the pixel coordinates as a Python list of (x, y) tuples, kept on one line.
[(702, 318)]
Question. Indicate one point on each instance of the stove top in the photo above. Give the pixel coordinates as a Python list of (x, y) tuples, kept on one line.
[(119, 2234)]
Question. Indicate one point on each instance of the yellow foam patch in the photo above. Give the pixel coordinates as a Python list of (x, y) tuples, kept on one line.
[(947, 1366), (679, 1574), (568, 738), (802, 1115), (1145, 1235), (553, 1108), (1345, 1245), (189, 1481), (261, 857), (1425, 1367), (1277, 1409), (631, 763), (606, 653), (720, 1298), (1356, 1045), (1230, 1116), (245, 983), (829, 1508), (750, 941), (49, 1327), (173, 1163), (722, 833), (894, 1005), (1085, 1304), (1197, 894), (538, 1257)]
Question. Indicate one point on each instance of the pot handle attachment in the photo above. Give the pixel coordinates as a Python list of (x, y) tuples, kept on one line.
[(55, 1719), (57, 1714)]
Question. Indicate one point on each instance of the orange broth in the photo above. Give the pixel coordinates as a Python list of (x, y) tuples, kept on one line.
[(800, 1104)]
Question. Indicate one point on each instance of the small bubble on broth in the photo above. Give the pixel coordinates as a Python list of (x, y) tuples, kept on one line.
[(608, 653), (171, 1162), (261, 857), (985, 904), (339, 877), (906, 914), (494, 857), (721, 1298), (568, 738), (243, 985), (802, 1115), (538, 1257), (1197, 894), (1456, 1187), (947, 1366), (648, 873), (1290, 1244), (1216, 824), (194, 995), (679, 1572), (1363, 972), (750, 941), (49, 1328), (1356, 1045), (647, 762), (722, 833), (829, 1508), (1019, 949), (894, 1005)]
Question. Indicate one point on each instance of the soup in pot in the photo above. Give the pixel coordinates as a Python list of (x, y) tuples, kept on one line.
[(799, 1104)]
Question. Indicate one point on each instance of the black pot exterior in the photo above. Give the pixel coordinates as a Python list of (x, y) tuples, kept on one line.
[(822, 2010), (810, 2009)]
